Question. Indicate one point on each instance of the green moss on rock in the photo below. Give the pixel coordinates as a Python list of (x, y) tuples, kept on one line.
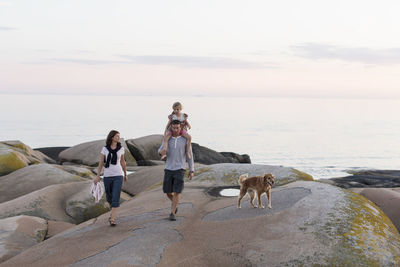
[(357, 233), (371, 234), (283, 181), (303, 176), (40, 235), (19, 145), (10, 162), (368, 240), (94, 211), (85, 210), (208, 178), (231, 178), (88, 174), (199, 171)]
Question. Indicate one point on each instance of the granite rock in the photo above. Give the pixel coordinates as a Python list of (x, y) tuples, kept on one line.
[(89, 153), (342, 229)]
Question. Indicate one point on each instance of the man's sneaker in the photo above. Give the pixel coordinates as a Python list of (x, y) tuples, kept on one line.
[(172, 217)]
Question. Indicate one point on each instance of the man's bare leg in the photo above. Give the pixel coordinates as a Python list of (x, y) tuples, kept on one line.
[(170, 196), (175, 202), (174, 197)]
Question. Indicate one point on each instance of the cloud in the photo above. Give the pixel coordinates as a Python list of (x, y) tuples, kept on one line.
[(178, 61), (365, 55), (2, 28), (81, 51), (87, 61), (196, 62)]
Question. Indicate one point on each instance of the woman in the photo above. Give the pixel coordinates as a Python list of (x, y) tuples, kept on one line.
[(113, 159)]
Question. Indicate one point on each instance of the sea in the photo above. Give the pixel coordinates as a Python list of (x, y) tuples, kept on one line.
[(323, 137)]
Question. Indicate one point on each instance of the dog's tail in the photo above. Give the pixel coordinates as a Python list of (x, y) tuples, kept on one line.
[(242, 178)]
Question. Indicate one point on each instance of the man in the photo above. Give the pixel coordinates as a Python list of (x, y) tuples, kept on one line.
[(175, 166)]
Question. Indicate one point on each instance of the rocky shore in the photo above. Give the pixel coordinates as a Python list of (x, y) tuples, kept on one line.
[(48, 217), (382, 187), (369, 178)]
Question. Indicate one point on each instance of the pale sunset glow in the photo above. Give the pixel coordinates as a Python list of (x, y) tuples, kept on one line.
[(256, 48)]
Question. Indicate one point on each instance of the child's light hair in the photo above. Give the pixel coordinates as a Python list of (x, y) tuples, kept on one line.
[(176, 104)]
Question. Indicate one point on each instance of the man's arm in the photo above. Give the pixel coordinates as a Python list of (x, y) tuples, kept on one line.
[(190, 161)]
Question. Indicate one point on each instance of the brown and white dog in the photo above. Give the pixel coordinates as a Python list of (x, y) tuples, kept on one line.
[(259, 184)]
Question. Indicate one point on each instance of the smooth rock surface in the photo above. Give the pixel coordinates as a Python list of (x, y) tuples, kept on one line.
[(52, 201), (82, 207), (226, 174), (52, 152), (15, 155), (19, 233), (89, 153), (371, 178), (207, 156), (11, 160), (56, 227), (32, 155), (310, 223), (145, 151), (142, 179), (81, 171), (387, 199), (145, 148), (32, 178), (379, 186), (236, 158)]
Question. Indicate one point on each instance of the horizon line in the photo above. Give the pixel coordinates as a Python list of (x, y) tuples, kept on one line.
[(202, 95)]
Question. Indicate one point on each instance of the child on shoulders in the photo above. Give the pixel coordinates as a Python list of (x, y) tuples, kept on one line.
[(177, 114)]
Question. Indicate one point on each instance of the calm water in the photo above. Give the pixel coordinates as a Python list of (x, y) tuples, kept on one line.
[(322, 137)]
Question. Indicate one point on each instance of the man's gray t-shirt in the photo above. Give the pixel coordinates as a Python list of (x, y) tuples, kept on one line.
[(176, 154)]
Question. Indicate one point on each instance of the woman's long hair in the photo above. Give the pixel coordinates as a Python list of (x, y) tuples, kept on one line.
[(110, 136)]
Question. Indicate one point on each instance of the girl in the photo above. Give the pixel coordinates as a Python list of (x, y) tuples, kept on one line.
[(112, 156), (182, 117)]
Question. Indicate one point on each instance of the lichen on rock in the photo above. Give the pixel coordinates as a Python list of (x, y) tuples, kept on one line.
[(10, 161), (86, 209), (359, 234), (371, 235), (225, 174)]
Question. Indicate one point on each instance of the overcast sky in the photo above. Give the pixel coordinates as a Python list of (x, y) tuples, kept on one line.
[(218, 47)]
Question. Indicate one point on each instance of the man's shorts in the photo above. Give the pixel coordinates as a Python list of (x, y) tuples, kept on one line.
[(173, 181)]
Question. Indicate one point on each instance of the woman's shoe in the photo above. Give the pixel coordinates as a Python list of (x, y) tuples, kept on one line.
[(112, 222)]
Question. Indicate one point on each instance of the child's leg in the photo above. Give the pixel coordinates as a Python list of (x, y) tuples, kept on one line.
[(163, 152), (188, 142)]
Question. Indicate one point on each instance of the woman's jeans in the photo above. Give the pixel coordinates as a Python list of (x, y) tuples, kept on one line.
[(113, 186)]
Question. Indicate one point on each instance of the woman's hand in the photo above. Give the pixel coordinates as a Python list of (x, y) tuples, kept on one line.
[(97, 179), (125, 178)]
